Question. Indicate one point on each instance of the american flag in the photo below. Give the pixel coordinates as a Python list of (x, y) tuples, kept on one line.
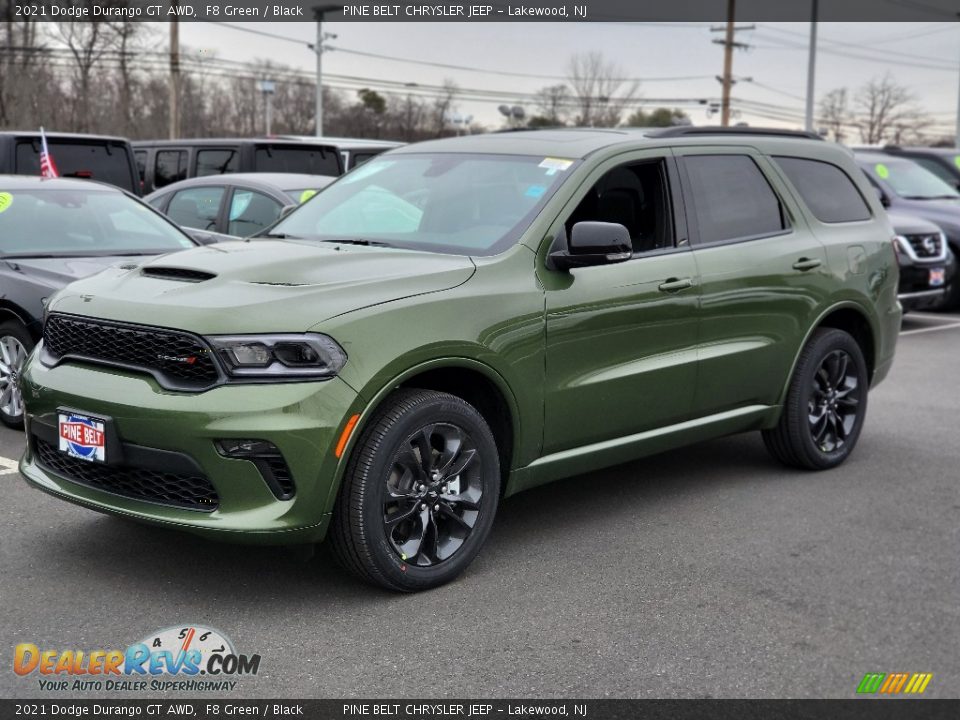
[(48, 168)]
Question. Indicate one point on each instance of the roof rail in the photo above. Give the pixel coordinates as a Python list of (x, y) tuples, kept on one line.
[(681, 130)]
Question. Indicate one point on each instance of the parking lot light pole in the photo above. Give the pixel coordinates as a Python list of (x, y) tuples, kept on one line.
[(268, 87), (811, 68), (319, 11)]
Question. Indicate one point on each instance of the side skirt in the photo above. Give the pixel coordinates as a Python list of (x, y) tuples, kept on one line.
[(631, 447)]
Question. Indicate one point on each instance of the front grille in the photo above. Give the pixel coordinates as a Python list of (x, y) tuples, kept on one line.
[(926, 246), (178, 360), (187, 491), (175, 273)]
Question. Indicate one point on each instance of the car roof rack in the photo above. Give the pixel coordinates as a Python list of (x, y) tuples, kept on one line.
[(682, 130)]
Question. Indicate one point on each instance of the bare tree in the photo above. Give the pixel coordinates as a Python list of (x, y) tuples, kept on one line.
[(443, 105), (553, 102), (834, 113), (881, 106), (87, 42), (600, 92)]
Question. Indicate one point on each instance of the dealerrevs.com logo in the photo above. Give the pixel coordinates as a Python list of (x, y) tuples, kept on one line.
[(187, 658)]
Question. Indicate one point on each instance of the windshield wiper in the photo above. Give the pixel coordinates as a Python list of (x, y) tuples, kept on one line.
[(359, 241), (931, 197), (279, 236)]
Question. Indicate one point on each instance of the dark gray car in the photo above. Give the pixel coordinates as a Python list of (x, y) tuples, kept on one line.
[(906, 187), (53, 232), (237, 205)]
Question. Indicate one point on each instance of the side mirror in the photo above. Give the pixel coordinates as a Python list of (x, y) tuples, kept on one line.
[(287, 209), (590, 243), (884, 200), (202, 237)]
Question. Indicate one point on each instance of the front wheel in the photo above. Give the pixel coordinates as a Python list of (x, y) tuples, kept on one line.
[(419, 494), (15, 346), (825, 405)]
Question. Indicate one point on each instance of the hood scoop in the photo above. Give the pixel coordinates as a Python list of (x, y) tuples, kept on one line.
[(175, 273)]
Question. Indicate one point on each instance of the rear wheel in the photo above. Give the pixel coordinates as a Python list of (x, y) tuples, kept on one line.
[(825, 405), (15, 346), (420, 492)]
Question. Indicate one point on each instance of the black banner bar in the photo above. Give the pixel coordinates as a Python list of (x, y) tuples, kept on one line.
[(201, 709), (481, 10)]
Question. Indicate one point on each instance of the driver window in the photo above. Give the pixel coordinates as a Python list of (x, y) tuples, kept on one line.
[(635, 196)]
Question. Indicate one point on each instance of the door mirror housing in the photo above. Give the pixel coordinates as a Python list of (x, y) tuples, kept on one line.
[(881, 196), (591, 243), (287, 209)]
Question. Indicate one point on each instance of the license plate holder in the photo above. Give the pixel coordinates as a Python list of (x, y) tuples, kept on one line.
[(82, 436), (938, 277)]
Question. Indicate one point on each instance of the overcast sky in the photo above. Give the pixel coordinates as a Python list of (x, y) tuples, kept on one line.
[(924, 56)]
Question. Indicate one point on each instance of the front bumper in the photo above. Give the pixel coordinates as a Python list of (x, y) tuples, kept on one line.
[(303, 420)]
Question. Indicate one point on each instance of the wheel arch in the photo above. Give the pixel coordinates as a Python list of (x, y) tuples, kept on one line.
[(12, 311), (471, 380), (851, 318)]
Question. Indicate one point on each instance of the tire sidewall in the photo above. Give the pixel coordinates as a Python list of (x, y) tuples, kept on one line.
[(15, 329), (835, 340), (388, 562)]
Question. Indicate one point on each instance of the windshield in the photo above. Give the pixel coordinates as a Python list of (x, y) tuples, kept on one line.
[(81, 222), (449, 203), (910, 180)]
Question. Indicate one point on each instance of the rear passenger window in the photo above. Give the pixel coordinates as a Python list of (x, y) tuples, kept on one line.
[(732, 200), (826, 189), (170, 166), (217, 162)]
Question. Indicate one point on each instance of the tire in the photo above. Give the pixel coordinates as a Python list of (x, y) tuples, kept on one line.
[(15, 346), (439, 520), (825, 406)]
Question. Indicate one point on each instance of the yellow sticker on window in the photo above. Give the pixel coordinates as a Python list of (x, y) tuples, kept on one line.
[(6, 200), (306, 195), (882, 170), (956, 160)]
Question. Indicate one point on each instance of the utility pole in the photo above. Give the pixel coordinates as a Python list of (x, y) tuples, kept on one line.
[(174, 75), (319, 11), (268, 87), (811, 68), (729, 43)]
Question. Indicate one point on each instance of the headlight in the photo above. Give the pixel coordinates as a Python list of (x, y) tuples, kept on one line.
[(308, 355)]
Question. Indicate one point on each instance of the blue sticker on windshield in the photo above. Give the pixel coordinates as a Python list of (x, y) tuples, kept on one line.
[(535, 191)]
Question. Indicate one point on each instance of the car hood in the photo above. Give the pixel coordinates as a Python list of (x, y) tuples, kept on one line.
[(260, 286), (944, 213), (57, 272), (905, 224)]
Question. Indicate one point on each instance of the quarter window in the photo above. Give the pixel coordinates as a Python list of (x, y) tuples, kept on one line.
[(732, 199), (826, 189)]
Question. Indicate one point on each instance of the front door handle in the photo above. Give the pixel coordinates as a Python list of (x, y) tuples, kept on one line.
[(804, 264), (675, 284)]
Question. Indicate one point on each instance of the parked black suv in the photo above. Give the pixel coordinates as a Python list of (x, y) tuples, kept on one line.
[(927, 267), (162, 162), (88, 157)]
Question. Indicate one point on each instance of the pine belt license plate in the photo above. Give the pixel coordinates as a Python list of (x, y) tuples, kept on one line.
[(82, 437), (937, 277)]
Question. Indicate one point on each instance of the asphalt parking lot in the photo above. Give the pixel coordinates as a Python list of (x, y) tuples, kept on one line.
[(706, 572)]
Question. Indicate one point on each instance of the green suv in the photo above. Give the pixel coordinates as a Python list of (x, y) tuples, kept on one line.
[(459, 320)]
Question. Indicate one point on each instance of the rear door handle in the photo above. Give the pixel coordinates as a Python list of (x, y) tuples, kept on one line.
[(804, 264), (675, 284)]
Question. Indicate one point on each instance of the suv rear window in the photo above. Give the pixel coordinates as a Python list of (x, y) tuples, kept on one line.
[(107, 162), (826, 189), (309, 159), (732, 199)]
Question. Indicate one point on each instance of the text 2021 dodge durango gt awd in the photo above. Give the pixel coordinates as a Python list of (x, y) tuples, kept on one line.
[(459, 320)]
